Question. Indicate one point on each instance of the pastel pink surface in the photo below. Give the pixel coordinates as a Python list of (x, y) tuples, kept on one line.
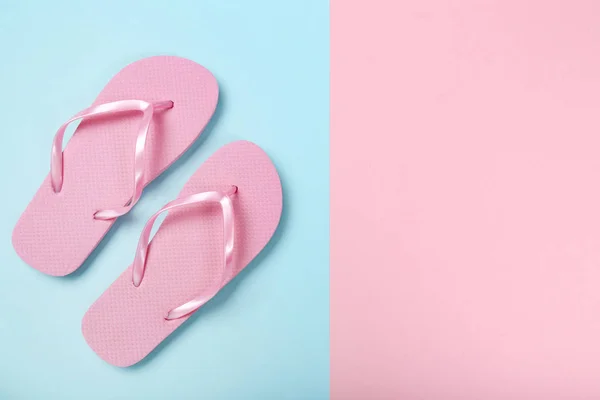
[(186, 255), (473, 269), (57, 232)]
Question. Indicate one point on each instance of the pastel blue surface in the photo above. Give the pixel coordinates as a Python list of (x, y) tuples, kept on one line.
[(266, 335)]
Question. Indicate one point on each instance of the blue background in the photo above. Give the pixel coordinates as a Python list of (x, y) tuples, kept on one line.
[(271, 59)]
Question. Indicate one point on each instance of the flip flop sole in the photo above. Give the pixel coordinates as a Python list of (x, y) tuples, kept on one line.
[(186, 255), (57, 231)]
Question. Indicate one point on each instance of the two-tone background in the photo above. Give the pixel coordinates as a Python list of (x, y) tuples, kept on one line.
[(441, 230)]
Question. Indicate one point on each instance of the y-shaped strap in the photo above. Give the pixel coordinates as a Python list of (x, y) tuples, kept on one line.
[(56, 164), (139, 263)]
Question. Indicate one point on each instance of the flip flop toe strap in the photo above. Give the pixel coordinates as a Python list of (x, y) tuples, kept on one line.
[(139, 262), (147, 109)]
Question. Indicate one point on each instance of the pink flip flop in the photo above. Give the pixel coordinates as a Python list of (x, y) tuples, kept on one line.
[(224, 216), (113, 154)]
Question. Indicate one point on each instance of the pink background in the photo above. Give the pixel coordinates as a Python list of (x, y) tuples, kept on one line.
[(465, 203)]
